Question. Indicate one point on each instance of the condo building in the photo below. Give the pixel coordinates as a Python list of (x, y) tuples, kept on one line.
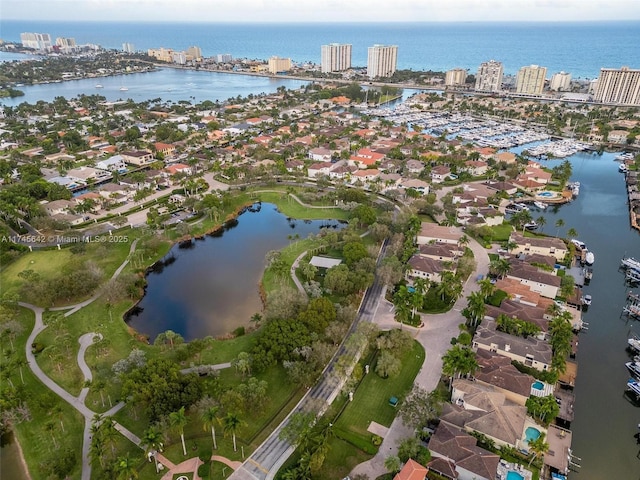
[(619, 86), (560, 82), (382, 61), (128, 47), (489, 77), (224, 58), (37, 41), (194, 53), (530, 80), (455, 77), (335, 57), (277, 65)]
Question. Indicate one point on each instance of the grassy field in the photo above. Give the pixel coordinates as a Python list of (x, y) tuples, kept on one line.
[(291, 208), (371, 399)]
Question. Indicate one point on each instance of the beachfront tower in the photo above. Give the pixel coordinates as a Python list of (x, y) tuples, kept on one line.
[(455, 77), (530, 80), (335, 57), (619, 86), (560, 82), (489, 77), (382, 61)]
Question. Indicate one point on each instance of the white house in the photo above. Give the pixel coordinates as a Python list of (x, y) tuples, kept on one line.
[(112, 164)]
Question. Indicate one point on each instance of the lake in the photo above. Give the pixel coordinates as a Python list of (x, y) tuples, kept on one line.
[(211, 286)]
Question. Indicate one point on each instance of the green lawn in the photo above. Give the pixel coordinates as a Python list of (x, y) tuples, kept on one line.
[(371, 399), (291, 208)]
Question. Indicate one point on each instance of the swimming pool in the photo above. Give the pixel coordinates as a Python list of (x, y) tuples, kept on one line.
[(531, 434), (511, 475), (545, 194), (538, 385)]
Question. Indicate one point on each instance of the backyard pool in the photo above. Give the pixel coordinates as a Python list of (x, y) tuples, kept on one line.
[(531, 434), (538, 385), (511, 475), (545, 194)]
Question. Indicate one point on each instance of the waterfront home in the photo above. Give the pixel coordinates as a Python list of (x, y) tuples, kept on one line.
[(456, 446), (425, 268), (432, 232), (84, 175), (483, 409), (412, 470), (497, 370), (558, 457), (528, 185), (528, 313), (165, 149), (177, 168), (505, 157), (112, 164), (506, 187), (529, 351), (539, 281), (138, 157), (440, 173), (549, 246)]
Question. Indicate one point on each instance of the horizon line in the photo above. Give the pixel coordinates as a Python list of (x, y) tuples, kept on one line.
[(318, 22)]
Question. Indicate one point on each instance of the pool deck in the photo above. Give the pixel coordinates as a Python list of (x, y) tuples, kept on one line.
[(505, 467)]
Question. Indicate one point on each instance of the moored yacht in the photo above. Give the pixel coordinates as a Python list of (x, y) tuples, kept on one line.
[(634, 368), (630, 262), (540, 205), (99, 86), (634, 343), (634, 386), (589, 258), (623, 168)]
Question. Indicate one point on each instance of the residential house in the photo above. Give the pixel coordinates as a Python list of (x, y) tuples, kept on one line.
[(414, 166), (320, 154), (539, 281), (318, 169), (549, 246), (85, 175), (484, 409), (456, 455), (476, 168), (138, 157), (505, 157), (506, 187), (112, 164), (497, 371), (365, 158), (440, 173), (444, 252), (425, 268), (432, 232), (177, 168), (419, 186), (57, 207), (165, 149), (530, 351), (115, 192), (366, 176), (412, 470), (341, 170), (294, 166)]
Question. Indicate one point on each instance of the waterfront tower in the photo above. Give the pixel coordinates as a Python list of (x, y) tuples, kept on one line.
[(489, 77), (382, 61), (335, 57)]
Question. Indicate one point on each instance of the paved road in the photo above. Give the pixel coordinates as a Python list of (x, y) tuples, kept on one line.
[(435, 337), (267, 459)]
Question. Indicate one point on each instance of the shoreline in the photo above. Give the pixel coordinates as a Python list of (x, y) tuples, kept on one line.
[(23, 462)]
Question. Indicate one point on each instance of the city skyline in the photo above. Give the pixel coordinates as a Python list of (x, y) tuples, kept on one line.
[(261, 11)]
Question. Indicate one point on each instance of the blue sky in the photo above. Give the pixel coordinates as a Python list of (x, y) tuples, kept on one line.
[(321, 10)]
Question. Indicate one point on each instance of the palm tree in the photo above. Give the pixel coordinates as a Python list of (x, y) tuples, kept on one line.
[(401, 303), (178, 421), (486, 287), (572, 233), (152, 441), (231, 425), (458, 361), (125, 469), (500, 267), (541, 221), (559, 224), (209, 418), (476, 307), (538, 447)]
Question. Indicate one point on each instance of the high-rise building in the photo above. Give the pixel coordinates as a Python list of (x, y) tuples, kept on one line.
[(224, 58), (530, 80), (179, 57), (37, 41), (162, 54), (65, 42), (560, 82), (455, 77), (489, 77), (128, 47), (277, 64), (620, 86), (382, 61), (335, 57), (195, 53)]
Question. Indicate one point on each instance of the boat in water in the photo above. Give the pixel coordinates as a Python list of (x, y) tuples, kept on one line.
[(634, 368), (589, 258), (540, 205), (99, 86), (634, 343), (123, 89), (630, 262), (579, 244), (531, 225), (623, 168), (634, 386), (632, 275), (586, 300)]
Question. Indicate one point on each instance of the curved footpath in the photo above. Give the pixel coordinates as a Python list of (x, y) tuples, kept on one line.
[(435, 336)]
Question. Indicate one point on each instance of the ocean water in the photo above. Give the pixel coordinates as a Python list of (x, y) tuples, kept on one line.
[(578, 48)]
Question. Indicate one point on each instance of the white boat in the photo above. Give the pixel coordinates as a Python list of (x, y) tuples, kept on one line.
[(634, 368), (99, 86), (123, 89), (630, 262), (623, 168), (632, 275), (634, 386), (634, 344), (540, 205), (586, 300), (589, 258), (531, 225)]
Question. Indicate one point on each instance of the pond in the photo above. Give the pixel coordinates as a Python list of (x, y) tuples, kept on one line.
[(209, 286)]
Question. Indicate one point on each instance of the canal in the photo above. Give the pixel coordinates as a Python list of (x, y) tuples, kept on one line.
[(210, 287), (606, 420)]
